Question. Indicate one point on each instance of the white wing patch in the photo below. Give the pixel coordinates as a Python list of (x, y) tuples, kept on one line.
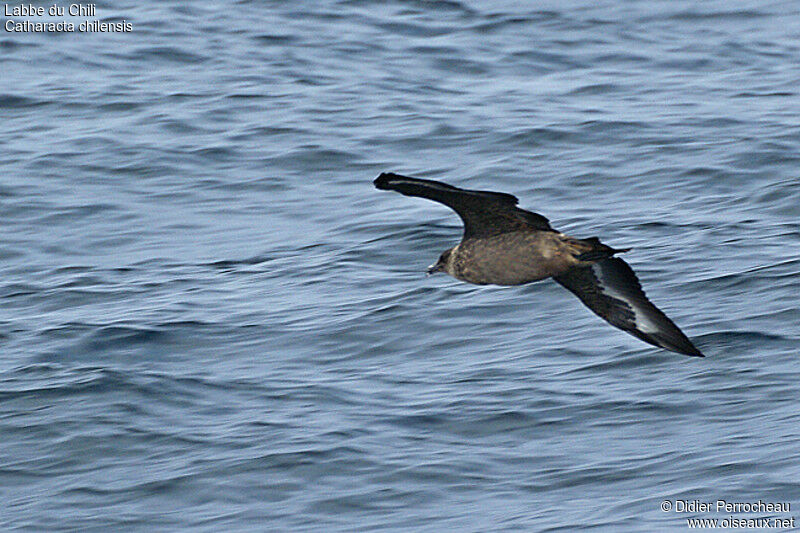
[(642, 322), (611, 290)]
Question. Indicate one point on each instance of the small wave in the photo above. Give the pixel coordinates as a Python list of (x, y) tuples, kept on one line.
[(217, 153), (228, 265), (270, 39), (11, 44), (12, 101), (503, 22), (17, 290), (169, 54), (540, 136), (740, 336), (595, 88), (408, 29), (697, 16), (764, 94), (49, 380)]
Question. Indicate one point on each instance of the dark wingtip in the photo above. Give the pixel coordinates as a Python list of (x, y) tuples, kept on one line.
[(694, 353), (691, 353), (382, 181), (681, 345)]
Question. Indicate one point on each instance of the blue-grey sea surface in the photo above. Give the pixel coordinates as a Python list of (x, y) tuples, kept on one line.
[(211, 321)]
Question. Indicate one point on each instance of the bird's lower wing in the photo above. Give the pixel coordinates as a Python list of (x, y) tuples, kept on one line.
[(611, 290)]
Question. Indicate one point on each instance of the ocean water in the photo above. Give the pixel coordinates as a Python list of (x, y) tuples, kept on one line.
[(211, 321)]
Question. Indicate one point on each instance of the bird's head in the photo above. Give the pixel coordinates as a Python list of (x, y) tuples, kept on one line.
[(441, 264)]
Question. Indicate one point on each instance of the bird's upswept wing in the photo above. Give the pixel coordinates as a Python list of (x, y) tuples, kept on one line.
[(484, 213), (612, 291)]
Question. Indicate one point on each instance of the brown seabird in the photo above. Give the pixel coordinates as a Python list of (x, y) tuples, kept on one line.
[(506, 245)]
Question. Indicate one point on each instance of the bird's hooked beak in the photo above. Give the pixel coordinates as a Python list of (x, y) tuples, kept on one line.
[(434, 268), (440, 265)]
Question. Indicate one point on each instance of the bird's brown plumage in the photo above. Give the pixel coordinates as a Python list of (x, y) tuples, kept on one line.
[(505, 245)]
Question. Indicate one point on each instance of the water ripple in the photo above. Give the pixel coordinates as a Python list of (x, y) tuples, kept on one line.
[(211, 320)]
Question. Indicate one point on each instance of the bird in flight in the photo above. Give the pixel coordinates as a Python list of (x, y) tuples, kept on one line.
[(506, 245)]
